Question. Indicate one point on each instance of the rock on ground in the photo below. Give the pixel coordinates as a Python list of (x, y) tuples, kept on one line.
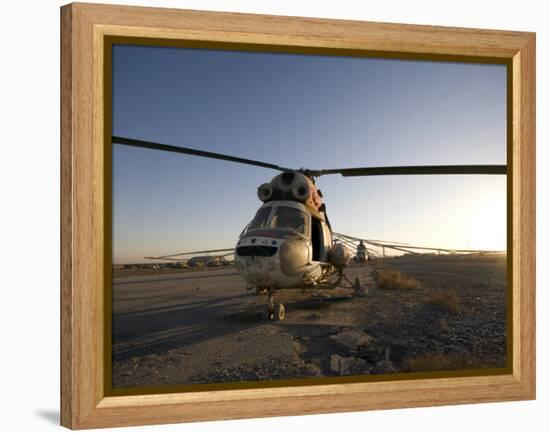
[(384, 367), (347, 366), (351, 340)]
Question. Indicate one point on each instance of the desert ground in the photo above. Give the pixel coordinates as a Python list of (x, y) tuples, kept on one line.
[(421, 313)]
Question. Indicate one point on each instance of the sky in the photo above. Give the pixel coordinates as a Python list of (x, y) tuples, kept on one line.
[(301, 111)]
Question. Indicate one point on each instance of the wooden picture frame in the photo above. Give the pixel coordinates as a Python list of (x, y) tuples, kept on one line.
[(85, 28)]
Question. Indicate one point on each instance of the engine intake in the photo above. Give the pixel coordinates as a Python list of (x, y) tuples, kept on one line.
[(265, 192), (300, 191)]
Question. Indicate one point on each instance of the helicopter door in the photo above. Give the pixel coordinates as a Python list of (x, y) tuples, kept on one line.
[(316, 239)]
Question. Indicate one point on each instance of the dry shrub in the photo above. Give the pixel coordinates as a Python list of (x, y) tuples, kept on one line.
[(447, 302), (387, 279), (442, 362)]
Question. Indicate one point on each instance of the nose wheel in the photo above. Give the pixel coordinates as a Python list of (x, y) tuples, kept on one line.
[(273, 311)]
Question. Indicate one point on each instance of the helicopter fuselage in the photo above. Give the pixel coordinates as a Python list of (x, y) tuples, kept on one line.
[(284, 246)]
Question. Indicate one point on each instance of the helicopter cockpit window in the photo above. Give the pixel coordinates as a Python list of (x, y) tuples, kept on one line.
[(261, 219), (290, 218)]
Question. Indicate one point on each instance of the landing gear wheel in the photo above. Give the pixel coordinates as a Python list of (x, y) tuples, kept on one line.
[(268, 313), (279, 312)]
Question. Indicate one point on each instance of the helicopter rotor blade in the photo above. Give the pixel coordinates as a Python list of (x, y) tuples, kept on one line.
[(354, 238), (346, 172), (173, 256), (414, 170), (189, 151)]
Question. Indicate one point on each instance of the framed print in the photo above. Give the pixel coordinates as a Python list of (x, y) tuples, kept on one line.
[(269, 216)]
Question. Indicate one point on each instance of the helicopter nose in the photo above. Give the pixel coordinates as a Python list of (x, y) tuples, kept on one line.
[(294, 257), (272, 265)]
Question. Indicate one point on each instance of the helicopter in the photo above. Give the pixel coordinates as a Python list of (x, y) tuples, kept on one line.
[(289, 243)]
